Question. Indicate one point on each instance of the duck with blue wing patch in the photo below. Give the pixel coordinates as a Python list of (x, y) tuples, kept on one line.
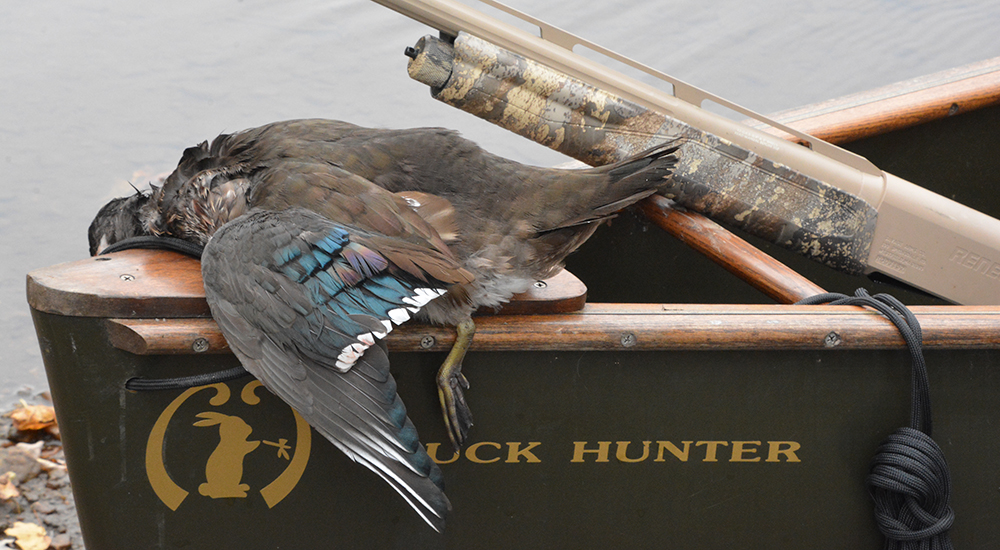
[(322, 235), (298, 297)]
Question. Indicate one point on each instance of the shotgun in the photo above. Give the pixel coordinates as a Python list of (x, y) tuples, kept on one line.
[(809, 196)]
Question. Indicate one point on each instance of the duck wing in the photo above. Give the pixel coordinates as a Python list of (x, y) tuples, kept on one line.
[(303, 301)]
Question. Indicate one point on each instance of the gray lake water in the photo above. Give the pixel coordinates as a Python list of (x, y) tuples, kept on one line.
[(96, 94)]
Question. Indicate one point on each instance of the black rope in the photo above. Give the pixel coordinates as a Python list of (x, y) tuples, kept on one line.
[(909, 479), (184, 382), (150, 384), (161, 242)]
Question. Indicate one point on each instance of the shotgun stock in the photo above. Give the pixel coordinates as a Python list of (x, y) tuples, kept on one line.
[(812, 197)]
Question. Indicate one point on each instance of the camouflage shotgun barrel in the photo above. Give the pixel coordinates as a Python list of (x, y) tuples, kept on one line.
[(811, 197)]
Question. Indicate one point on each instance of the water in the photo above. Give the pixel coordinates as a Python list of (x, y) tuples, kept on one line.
[(94, 94)]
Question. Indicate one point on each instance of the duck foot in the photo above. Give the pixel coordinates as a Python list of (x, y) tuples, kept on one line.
[(452, 385)]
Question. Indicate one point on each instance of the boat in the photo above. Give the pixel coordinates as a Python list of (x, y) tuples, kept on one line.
[(645, 396)]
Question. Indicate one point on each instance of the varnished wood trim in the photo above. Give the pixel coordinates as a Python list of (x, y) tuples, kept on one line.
[(133, 283), (631, 327), (759, 270), (166, 336), (157, 283), (896, 106), (561, 293)]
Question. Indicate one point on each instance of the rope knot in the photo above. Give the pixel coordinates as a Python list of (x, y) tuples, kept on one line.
[(910, 484), (909, 478)]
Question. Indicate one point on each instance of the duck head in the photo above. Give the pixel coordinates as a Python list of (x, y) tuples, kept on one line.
[(192, 212), (118, 220)]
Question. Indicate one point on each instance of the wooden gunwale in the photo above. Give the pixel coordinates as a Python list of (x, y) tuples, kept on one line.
[(636, 327), (896, 106)]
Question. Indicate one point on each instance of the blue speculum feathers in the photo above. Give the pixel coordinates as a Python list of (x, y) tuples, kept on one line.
[(344, 279)]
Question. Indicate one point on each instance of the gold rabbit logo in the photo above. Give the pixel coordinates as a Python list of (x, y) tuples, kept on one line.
[(224, 469), (225, 466)]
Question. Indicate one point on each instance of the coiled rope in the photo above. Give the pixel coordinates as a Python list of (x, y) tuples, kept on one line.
[(908, 479)]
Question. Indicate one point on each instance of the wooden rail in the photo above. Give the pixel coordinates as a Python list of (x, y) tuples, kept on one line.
[(155, 283), (896, 106), (633, 327), (759, 270)]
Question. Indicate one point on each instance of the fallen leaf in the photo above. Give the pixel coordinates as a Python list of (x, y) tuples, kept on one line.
[(29, 536), (8, 490), (31, 418)]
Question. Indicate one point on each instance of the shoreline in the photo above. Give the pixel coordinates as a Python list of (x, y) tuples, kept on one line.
[(44, 496)]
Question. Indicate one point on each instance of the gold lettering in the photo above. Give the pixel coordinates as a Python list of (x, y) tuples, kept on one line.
[(580, 447), (470, 453), (521, 452), (621, 451), (739, 451), (775, 449), (514, 451), (674, 450), (432, 450), (710, 449)]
